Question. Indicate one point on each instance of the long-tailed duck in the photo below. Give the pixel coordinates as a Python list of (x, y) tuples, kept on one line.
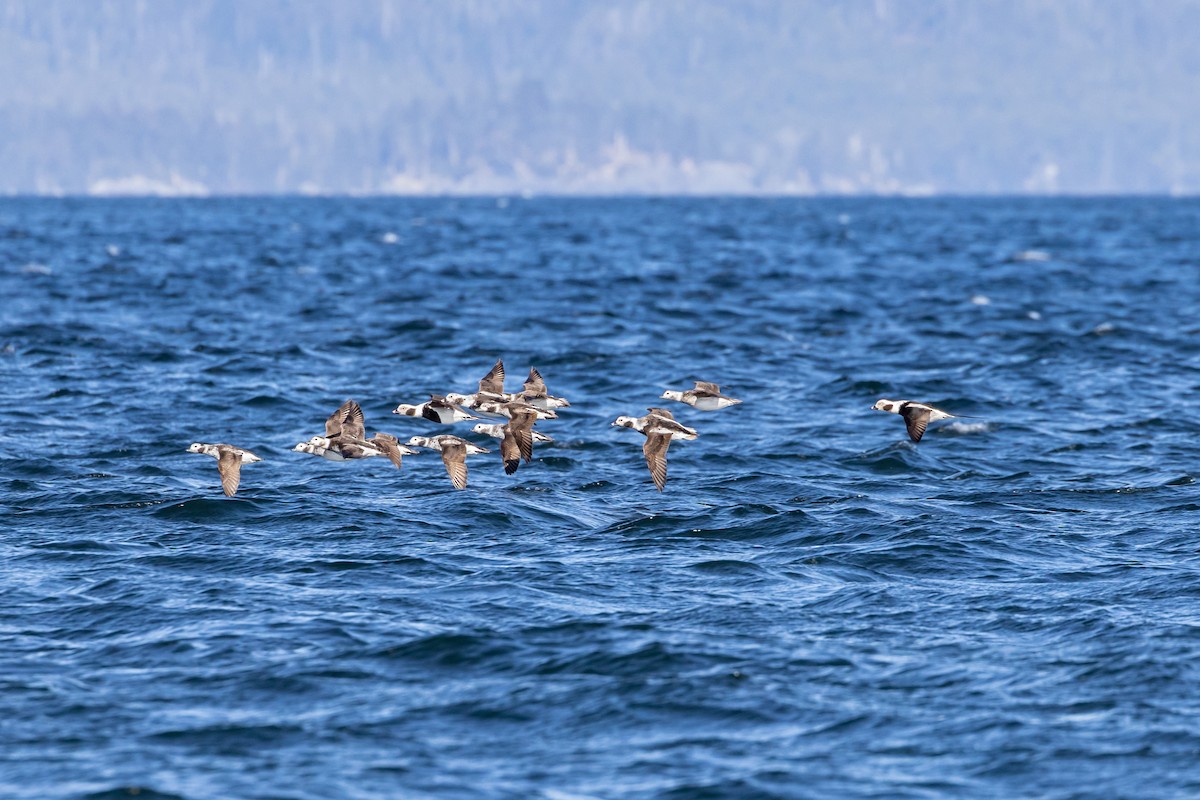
[(496, 431), (347, 421), (659, 420), (517, 442), (229, 462), (491, 388), (320, 447), (535, 393), (917, 416), (344, 439), (506, 408), (655, 451), (381, 444), (473, 401), (705, 397), (659, 427), (658, 439), (436, 409), (384, 444), (454, 454), (493, 382)]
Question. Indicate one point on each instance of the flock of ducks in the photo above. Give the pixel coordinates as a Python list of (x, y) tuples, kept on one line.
[(659, 426), (345, 436)]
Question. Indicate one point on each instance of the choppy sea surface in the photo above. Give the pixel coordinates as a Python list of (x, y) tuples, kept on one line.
[(815, 606)]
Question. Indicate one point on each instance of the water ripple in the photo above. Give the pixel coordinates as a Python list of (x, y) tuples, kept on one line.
[(815, 606)]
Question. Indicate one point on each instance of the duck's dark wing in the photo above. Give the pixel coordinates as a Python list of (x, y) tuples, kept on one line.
[(661, 412), (521, 425), (655, 450), (510, 451), (229, 464), (454, 456), (346, 421), (333, 425), (916, 419), (433, 407), (704, 387), (388, 445), (493, 382), (352, 422), (351, 448), (534, 385), (439, 401)]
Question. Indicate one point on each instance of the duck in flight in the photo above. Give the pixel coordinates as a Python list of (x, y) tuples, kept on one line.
[(917, 416), (659, 427), (496, 431), (491, 391), (345, 439), (438, 408), (517, 442), (659, 420), (535, 393), (454, 454), (704, 397), (229, 462)]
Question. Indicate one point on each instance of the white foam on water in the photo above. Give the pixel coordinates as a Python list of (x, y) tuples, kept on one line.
[(968, 427)]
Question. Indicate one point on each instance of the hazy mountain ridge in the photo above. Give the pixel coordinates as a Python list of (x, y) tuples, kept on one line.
[(629, 96)]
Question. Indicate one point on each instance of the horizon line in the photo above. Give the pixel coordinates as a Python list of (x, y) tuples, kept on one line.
[(524, 195)]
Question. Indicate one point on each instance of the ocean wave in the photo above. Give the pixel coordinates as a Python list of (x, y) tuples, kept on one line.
[(813, 600)]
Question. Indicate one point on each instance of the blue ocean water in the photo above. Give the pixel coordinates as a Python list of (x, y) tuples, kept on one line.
[(815, 606)]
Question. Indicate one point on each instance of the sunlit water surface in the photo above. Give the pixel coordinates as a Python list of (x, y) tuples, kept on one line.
[(815, 607)]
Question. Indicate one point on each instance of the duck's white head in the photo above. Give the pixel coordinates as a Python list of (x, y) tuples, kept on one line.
[(625, 422), (302, 447), (319, 441), (488, 429), (885, 405), (671, 394), (418, 441), (196, 447), (406, 409), (458, 399)]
